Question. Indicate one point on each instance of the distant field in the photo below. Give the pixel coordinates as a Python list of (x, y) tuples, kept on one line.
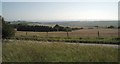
[(38, 51), (77, 33)]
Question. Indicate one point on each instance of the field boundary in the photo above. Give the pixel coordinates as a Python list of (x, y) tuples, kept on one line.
[(67, 40)]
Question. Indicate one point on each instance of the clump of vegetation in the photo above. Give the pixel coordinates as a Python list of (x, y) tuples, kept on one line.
[(111, 27), (118, 27), (21, 27), (61, 28), (77, 28), (7, 29), (0, 26)]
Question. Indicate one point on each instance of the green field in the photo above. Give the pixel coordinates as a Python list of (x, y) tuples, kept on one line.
[(38, 51)]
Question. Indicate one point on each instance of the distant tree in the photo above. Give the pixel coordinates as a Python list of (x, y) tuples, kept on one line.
[(0, 27), (42, 28), (118, 27), (96, 27), (35, 28), (57, 27), (61, 28), (77, 28), (111, 26), (67, 31), (7, 29)]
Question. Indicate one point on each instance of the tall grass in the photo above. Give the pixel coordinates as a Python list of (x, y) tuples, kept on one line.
[(36, 51), (110, 40)]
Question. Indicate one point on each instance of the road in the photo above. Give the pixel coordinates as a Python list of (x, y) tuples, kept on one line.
[(89, 44)]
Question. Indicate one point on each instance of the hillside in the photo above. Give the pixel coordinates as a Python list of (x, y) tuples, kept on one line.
[(72, 23)]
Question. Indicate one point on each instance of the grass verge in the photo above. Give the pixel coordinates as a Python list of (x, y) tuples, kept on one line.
[(37, 51)]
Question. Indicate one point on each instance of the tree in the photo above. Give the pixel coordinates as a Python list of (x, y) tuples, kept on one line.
[(118, 27), (111, 26), (0, 27), (61, 28), (7, 29), (56, 27), (96, 27), (67, 28)]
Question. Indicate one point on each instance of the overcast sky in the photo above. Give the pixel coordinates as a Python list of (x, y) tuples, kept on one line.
[(57, 11)]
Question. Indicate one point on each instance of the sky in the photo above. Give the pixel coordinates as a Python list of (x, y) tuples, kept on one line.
[(119, 11), (0, 8), (59, 11), (60, 0)]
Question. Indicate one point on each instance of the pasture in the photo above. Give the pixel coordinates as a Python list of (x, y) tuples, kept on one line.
[(109, 36), (77, 33)]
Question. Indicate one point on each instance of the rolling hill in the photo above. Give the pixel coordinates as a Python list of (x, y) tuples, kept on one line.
[(72, 23)]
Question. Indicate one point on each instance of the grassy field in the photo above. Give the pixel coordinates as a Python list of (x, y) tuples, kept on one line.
[(38, 47), (107, 36), (77, 33), (38, 51)]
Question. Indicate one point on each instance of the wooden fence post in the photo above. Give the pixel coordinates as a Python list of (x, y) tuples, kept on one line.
[(98, 34)]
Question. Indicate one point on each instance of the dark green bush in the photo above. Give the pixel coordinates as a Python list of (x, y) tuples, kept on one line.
[(7, 30)]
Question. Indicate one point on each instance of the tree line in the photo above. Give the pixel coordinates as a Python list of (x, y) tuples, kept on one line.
[(42, 28)]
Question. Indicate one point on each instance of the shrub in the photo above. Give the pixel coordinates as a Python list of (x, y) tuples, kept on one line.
[(111, 27), (7, 30)]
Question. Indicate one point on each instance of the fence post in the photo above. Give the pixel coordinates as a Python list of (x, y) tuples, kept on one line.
[(98, 34), (26, 33), (47, 34), (67, 34)]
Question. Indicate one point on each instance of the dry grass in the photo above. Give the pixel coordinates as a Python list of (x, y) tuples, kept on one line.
[(78, 33)]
